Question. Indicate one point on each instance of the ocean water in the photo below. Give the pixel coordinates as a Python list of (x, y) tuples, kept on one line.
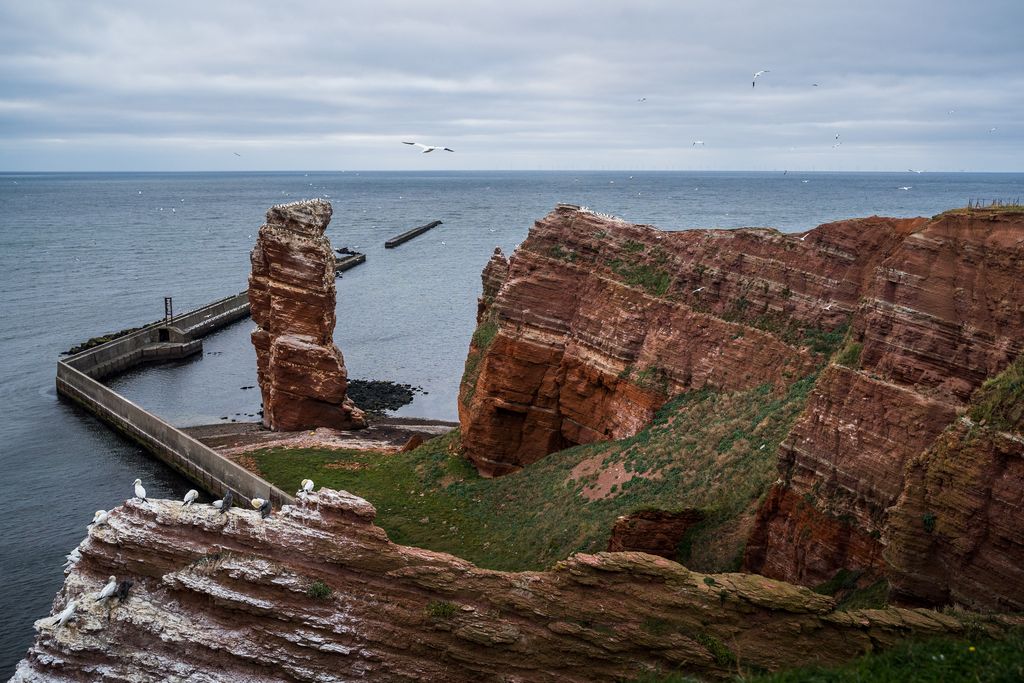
[(84, 254)]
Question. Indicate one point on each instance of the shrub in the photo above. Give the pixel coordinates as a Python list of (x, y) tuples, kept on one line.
[(441, 609), (318, 590)]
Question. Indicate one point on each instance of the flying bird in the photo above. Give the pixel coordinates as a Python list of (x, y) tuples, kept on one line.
[(697, 142), (66, 615), (100, 518), (762, 71), (236, 154), (427, 148), (907, 187), (139, 491), (225, 503), (108, 590), (697, 290), (992, 129), (190, 497), (642, 99), (914, 170)]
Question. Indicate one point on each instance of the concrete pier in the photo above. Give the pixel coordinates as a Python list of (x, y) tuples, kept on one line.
[(409, 234), (347, 262), (78, 380)]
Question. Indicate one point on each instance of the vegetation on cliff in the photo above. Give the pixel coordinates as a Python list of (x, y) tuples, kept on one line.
[(705, 449)]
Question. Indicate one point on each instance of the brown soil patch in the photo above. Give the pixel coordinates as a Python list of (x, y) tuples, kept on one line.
[(608, 475)]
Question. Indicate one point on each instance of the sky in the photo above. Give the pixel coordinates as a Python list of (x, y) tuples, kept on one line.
[(134, 85)]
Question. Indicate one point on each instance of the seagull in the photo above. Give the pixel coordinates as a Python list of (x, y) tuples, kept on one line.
[(814, 85), (697, 142), (754, 82), (907, 187), (123, 588), (66, 615), (139, 491), (100, 518), (427, 148), (837, 136), (190, 497), (108, 590), (225, 503)]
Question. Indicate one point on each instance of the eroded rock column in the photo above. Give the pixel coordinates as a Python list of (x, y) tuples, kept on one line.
[(301, 372)]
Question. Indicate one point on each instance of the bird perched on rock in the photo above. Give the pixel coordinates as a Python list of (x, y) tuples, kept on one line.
[(225, 502), (305, 487), (139, 491), (100, 518), (123, 588), (66, 615), (72, 558), (190, 497), (108, 590)]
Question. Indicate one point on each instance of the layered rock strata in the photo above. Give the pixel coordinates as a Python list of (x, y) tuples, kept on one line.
[(301, 372), (593, 322), (318, 593), (657, 532)]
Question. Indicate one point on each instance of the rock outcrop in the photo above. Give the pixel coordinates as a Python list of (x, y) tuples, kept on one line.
[(593, 322), (318, 593), (301, 372), (657, 532)]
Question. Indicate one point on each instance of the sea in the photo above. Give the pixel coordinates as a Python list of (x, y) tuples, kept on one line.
[(82, 254)]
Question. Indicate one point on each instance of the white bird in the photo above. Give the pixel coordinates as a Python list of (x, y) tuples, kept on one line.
[(805, 236), (108, 590), (72, 558), (828, 307), (139, 491), (697, 290), (427, 148), (642, 99), (762, 71), (912, 170), (100, 517), (697, 142), (190, 497), (217, 504), (256, 503), (306, 486), (907, 187), (992, 129), (66, 615)]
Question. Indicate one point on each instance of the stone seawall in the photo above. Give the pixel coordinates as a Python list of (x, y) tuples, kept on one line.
[(78, 380)]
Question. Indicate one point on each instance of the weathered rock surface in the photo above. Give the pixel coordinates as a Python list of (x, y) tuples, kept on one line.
[(593, 322), (657, 532), (318, 593), (301, 372)]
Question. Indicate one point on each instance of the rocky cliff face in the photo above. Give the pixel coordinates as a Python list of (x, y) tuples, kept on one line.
[(291, 289), (318, 593), (593, 322)]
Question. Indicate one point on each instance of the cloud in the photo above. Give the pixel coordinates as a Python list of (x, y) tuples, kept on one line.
[(159, 86)]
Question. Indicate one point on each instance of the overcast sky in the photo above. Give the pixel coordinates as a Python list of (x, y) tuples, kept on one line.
[(517, 84)]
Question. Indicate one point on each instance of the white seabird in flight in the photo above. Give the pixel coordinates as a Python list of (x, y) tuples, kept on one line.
[(427, 148), (190, 497), (139, 491), (108, 590), (697, 142), (762, 71)]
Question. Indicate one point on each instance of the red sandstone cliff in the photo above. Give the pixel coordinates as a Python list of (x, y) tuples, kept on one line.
[(318, 593), (291, 290), (594, 322)]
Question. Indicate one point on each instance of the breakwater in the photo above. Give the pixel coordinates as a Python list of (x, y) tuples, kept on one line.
[(409, 234), (78, 380)]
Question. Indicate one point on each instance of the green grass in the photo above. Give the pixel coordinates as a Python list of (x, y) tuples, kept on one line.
[(1000, 400), (482, 339), (441, 609), (433, 498), (850, 355), (654, 280), (921, 661), (318, 590)]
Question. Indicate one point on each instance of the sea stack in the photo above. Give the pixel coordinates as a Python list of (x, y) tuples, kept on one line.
[(301, 372)]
